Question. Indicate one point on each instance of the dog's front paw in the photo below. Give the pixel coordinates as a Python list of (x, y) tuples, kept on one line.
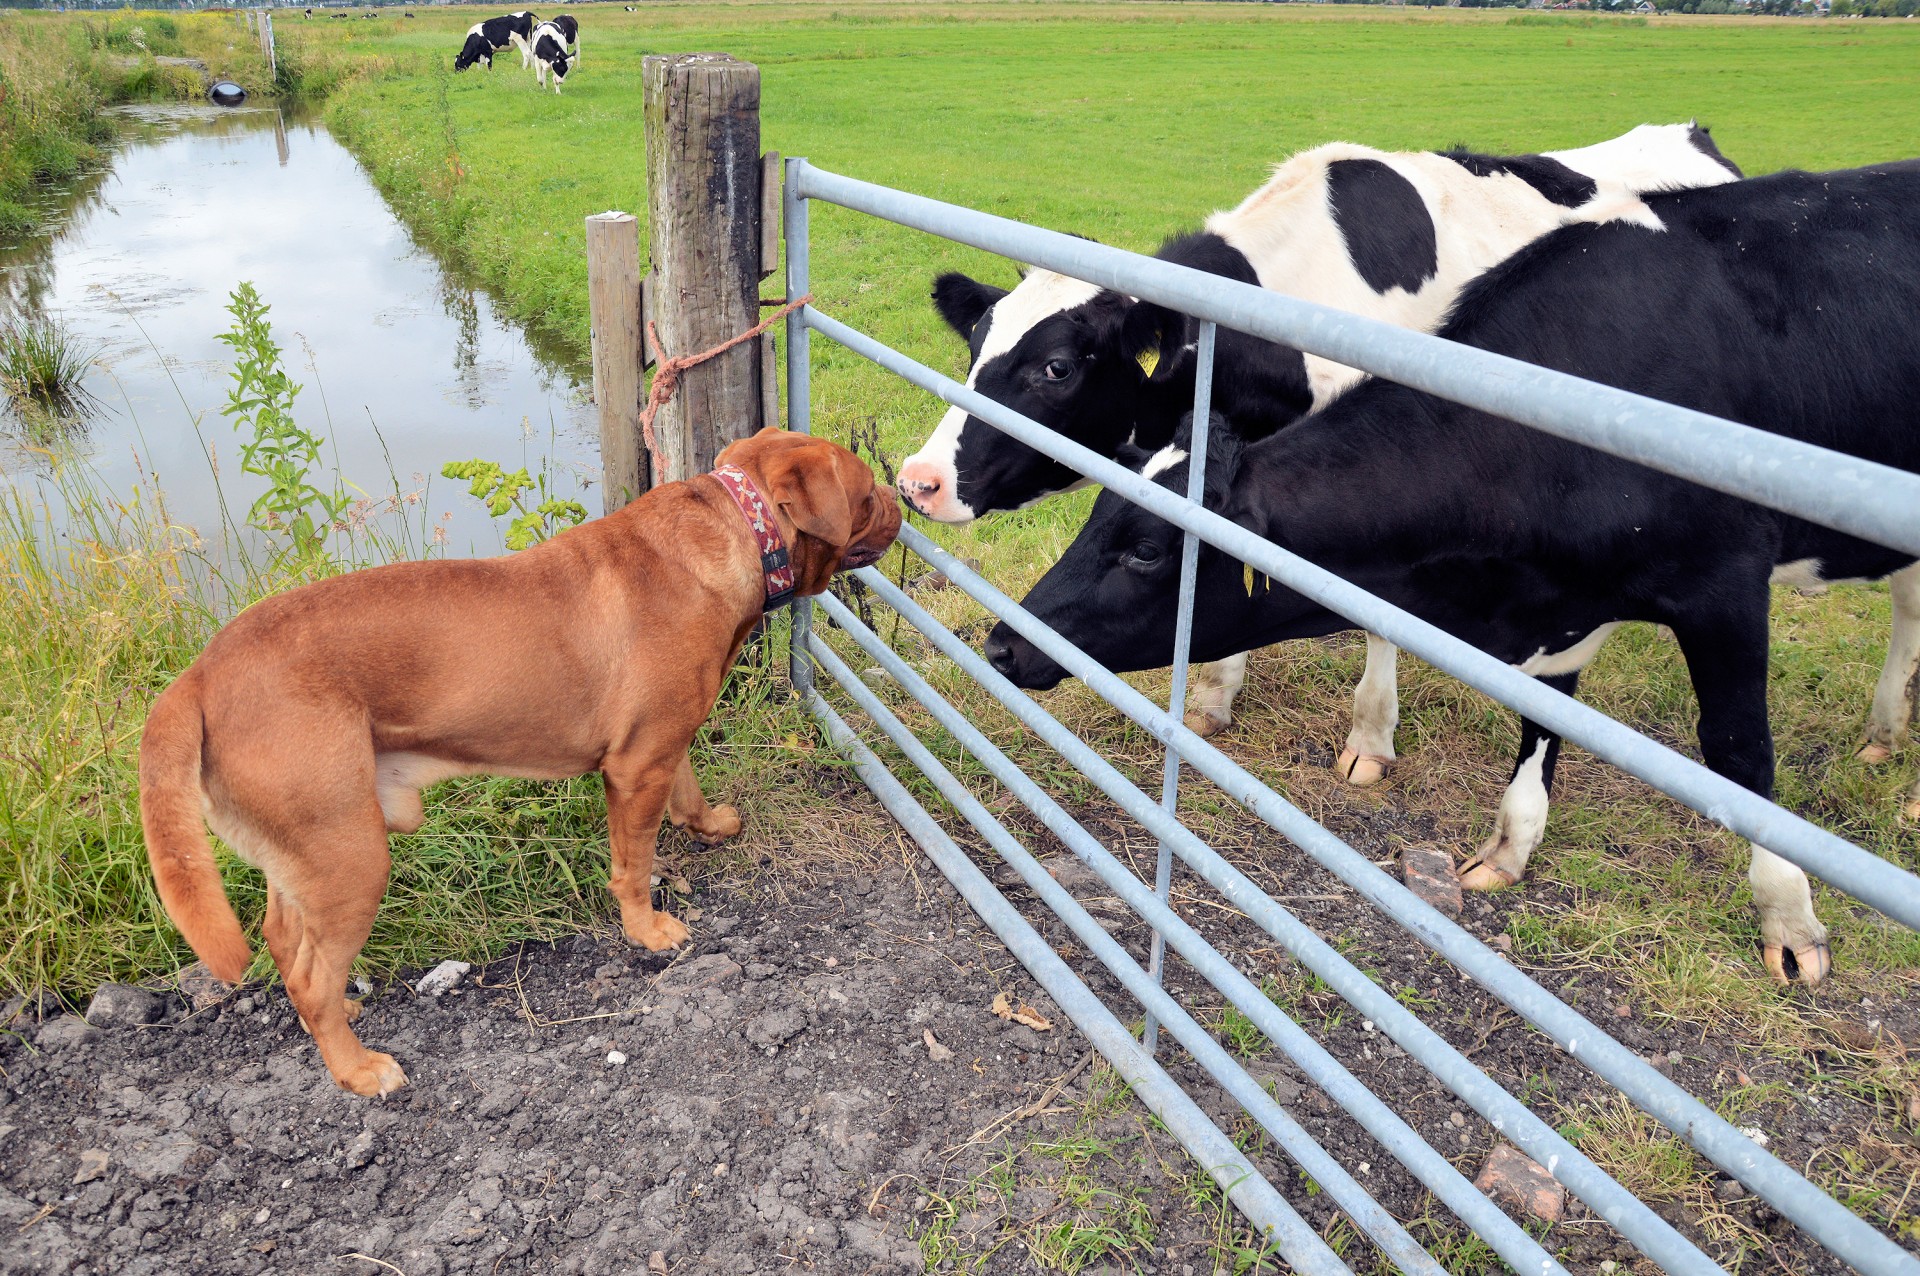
[(721, 823), (658, 932), (376, 1075)]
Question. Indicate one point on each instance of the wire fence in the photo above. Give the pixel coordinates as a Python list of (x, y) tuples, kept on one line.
[(1868, 500)]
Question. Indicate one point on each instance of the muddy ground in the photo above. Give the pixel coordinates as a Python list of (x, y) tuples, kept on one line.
[(766, 1100)]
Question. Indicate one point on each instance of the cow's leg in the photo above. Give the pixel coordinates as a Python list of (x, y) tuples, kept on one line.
[(1727, 660), (1210, 703), (1893, 696), (1502, 858), (1376, 712)]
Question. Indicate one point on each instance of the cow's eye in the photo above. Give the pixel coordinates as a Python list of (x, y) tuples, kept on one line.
[(1057, 369), (1141, 557)]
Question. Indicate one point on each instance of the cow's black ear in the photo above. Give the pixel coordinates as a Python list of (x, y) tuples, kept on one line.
[(1224, 451), (962, 300), (1156, 338)]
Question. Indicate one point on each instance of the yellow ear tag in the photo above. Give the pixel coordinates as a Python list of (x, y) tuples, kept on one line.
[(1249, 580), (1149, 359)]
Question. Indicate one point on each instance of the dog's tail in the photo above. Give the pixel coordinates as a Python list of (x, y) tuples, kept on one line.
[(176, 829)]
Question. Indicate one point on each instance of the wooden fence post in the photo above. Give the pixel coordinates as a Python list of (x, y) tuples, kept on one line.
[(613, 310), (702, 115)]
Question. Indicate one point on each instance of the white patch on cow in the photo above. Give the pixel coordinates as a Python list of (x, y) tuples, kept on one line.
[(1892, 698), (1376, 702), (928, 477), (1040, 294), (1523, 815), (1162, 461), (1784, 901), (1648, 158), (1802, 573), (1542, 664)]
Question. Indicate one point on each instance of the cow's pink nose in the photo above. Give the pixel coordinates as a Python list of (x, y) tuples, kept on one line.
[(918, 478)]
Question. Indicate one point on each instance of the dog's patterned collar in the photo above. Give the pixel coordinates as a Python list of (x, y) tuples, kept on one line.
[(776, 564)]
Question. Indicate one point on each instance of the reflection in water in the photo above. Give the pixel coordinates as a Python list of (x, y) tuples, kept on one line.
[(141, 259)]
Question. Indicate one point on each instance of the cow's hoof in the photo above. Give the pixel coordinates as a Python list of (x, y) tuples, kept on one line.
[(1211, 722), (1811, 963), (1873, 754), (1479, 875), (1361, 769)]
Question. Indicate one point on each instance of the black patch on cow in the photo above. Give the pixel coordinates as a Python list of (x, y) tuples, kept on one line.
[(569, 26), (1702, 140), (1554, 180), (1204, 250), (1389, 234)]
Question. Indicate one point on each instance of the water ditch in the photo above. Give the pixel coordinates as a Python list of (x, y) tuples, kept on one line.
[(405, 365)]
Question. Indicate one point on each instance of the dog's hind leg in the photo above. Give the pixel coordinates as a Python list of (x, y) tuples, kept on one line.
[(316, 925), (687, 808), (637, 795)]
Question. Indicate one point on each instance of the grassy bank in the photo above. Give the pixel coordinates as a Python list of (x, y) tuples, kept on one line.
[(60, 72)]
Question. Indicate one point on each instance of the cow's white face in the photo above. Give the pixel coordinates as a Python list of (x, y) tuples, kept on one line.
[(1054, 350), (930, 479)]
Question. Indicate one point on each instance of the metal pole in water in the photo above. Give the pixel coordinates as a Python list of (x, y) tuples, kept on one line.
[(1182, 644)]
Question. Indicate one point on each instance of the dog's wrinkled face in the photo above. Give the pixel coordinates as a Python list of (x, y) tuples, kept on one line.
[(839, 517)]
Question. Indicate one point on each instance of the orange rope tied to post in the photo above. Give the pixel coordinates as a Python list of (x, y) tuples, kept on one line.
[(666, 377)]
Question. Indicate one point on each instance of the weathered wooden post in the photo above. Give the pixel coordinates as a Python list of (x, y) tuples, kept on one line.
[(613, 310), (704, 236)]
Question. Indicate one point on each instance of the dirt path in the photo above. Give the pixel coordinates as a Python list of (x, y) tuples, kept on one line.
[(777, 1106), (768, 1100)]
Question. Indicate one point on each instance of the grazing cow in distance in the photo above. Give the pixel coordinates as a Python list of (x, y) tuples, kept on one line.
[(550, 54), (1732, 300), (1393, 236), (569, 27), (495, 35)]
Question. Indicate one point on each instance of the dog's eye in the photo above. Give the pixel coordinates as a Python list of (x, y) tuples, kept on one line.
[(1141, 557), (1057, 369)]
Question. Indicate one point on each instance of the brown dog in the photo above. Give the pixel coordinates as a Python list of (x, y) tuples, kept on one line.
[(305, 731)]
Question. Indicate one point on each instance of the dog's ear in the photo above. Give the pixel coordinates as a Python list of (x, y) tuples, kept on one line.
[(815, 499)]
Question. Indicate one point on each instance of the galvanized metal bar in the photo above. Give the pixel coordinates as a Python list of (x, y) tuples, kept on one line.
[(1400, 1141), (1831, 1223), (1864, 876), (1265, 1208), (1295, 1141), (1875, 501), (1654, 1236), (793, 216), (1182, 640)]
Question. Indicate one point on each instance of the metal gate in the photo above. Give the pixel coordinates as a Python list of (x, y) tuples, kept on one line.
[(1868, 500)]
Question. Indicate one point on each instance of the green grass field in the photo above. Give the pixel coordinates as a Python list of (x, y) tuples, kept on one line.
[(1126, 123)]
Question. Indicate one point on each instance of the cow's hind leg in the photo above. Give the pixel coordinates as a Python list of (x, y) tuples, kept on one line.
[(1376, 712), (1893, 694), (1210, 703), (317, 921), (1522, 819)]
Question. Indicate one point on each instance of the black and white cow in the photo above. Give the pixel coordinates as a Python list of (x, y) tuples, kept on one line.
[(1393, 236), (550, 55), (1786, 302), (495, 35)]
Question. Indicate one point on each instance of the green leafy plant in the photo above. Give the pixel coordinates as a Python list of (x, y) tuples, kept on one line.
[(505, 492), (260, 405)]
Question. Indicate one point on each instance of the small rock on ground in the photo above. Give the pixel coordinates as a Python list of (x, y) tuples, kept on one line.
[(1429, 874), (1521, 1185), (122, 1006)]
